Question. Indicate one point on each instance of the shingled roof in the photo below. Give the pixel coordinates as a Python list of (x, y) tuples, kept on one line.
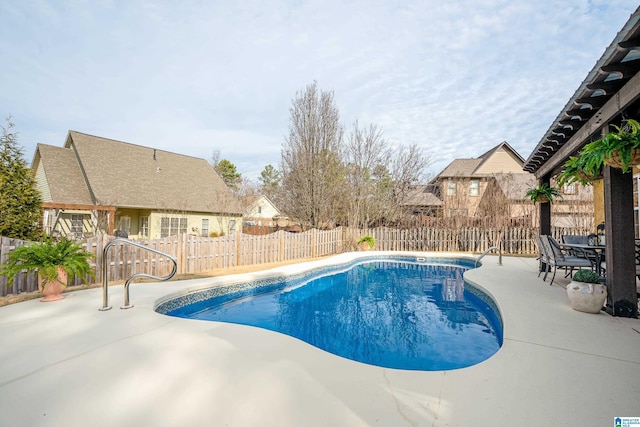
[(421, 195), (63, 177), (461, 168), (468, 168), (124, 175)]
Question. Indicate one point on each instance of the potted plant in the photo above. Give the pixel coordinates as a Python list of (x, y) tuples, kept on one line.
[(582, 169), (543, 193), (619, 149), (367, 242), (586, 292), (55, 262)]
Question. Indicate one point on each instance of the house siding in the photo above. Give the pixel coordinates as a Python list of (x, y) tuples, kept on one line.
[(42, 184), (499, 162), (462, 200), (219, 224)]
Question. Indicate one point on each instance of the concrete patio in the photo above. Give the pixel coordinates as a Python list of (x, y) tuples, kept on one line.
[(68, 364)]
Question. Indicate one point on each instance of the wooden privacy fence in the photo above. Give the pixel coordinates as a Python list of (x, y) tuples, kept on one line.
[(199, 254)]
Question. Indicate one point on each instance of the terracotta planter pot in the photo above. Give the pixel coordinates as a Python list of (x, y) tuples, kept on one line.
[(53, 289), (586, 297), (615, 161)]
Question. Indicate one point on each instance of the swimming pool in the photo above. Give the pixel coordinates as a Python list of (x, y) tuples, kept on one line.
[(410, 313)]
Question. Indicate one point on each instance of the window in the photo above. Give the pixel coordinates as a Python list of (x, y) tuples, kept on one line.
[(77, 223), (205, 228), (569, 188), (172, 226), (259, 209), (144, 226), (232, 225), (474, 187), (125, 224), (451, 188)]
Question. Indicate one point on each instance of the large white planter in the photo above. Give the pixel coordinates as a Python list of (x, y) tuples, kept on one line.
[(587, 297)]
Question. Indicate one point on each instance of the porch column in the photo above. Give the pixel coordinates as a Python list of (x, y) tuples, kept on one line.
[(545, 212), (620, 246)]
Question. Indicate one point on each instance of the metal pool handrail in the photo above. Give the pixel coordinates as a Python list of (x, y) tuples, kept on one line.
[(492, 248), (105, 292)]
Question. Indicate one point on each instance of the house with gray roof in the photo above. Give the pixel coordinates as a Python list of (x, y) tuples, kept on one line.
[(463, 183), (477, 187), (99, 185)]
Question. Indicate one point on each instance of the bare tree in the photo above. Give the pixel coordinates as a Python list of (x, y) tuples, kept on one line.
[(366, 154), (503, 204), (215, 158), (311, 161), (408, 165)]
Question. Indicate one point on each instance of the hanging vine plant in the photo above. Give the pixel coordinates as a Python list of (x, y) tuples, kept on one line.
[(619, 149), (582, 169)]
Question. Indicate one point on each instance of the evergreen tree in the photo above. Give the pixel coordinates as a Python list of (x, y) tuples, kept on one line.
[(229, 173), (20, 202), (270, 179)]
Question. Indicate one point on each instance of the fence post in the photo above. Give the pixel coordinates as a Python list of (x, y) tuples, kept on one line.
[(313, 242)]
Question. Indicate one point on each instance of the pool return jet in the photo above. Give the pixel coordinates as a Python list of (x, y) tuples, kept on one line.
[(105, 291)]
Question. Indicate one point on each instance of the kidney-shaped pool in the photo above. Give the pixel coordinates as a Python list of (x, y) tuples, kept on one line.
[(403, 313)]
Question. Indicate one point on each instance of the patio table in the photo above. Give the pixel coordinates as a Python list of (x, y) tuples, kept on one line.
[(596, 250)]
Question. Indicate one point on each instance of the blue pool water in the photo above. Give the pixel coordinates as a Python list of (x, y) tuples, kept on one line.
[(396, 314)]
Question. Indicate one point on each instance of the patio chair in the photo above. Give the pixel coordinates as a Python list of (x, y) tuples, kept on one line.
[(542, 254), (575, 238), (557, 258)]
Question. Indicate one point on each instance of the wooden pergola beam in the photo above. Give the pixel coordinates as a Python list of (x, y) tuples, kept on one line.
[(71, 206), (612, 108)]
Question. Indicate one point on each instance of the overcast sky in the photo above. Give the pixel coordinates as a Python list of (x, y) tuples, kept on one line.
[(455, 77)]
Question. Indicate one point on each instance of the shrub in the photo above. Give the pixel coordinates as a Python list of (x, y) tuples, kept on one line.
[(586, 276)]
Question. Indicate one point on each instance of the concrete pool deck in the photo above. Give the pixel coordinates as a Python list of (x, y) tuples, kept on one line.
[(68, 364)]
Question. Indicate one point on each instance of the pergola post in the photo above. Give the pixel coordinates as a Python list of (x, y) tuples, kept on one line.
[(545, 212), (620, 244)]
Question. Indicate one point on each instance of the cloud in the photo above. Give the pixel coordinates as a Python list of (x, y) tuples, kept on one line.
[(454, 77)]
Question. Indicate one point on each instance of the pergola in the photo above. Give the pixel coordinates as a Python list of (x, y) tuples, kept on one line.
[(609, 94)]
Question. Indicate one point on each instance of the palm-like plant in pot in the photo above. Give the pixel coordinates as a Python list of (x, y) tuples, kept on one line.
[(367, 242), (543, 193), (55, 262)]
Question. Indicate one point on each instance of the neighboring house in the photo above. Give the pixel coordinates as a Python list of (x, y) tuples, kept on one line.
[(260, 210), (98, 185), (463, 183), (494, 184)]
